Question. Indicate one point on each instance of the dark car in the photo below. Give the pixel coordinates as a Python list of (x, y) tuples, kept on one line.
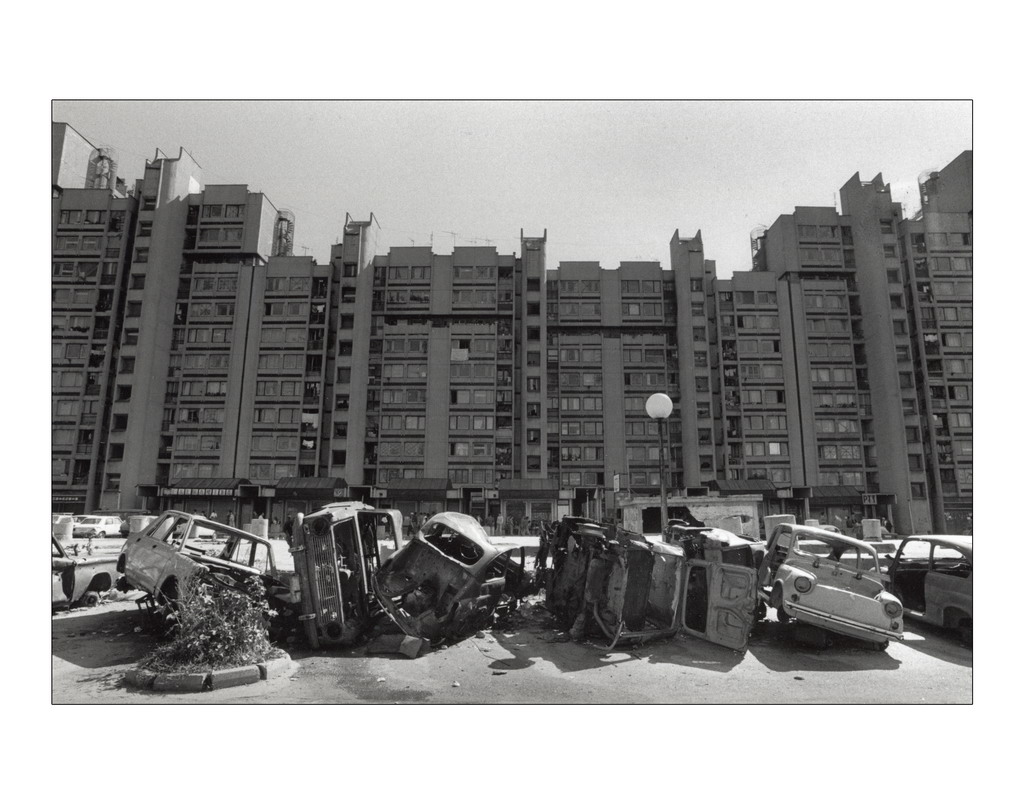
[(933, 576)]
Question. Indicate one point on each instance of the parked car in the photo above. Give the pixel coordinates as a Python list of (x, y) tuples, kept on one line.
[(630, 589), (449, 580), (80, 578), (933, 576), (59, 523), (97, 526), (337, 551), (831, 581), (160, 559)]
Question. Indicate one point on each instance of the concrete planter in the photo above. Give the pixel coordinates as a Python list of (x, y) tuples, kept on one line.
[(211, 680)]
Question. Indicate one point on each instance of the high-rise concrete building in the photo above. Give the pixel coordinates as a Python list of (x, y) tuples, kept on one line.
[(92, 222), (199, 364)]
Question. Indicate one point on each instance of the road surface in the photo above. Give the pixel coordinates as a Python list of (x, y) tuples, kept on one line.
[(532, 662)]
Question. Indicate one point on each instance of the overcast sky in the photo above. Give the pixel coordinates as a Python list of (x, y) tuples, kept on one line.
[(610, 181)]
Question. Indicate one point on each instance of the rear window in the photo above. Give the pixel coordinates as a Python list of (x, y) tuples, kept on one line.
[(454, 545)]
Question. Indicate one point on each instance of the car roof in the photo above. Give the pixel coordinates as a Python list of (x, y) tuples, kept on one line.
[(806, 531), (204, 521), (965, 544)]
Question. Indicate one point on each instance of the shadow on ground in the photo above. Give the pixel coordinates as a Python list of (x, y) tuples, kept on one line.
[(778, 647), (101, 639), (941, 644)]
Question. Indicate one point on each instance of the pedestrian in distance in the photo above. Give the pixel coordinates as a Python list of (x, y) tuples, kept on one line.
[(288, 524), (231, 519)]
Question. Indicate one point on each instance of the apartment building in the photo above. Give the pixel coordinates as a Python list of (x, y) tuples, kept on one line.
[(937, 261), (92, 225), (199, 364)]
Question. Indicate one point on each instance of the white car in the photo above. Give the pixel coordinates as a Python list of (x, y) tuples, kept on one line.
[(97, 526)]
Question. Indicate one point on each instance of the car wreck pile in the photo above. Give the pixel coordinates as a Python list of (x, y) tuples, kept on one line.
[(347, 565)]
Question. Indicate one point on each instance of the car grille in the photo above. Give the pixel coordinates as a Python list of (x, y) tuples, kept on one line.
[(324, 572)]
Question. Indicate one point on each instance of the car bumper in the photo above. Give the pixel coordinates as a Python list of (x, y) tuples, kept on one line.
[(841, 625)]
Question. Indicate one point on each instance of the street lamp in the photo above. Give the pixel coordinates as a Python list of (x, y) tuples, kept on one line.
[(659, 407)]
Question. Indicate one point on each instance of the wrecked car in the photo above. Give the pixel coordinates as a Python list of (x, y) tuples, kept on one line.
[(831, 581), (178, 545), (933, 577), (80, 578), (337, 551), (631, 589), (449, 580)]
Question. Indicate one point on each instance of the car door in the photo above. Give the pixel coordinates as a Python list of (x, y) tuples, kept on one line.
[(63, 572), (148, 553), (718, 602), (949, 584)]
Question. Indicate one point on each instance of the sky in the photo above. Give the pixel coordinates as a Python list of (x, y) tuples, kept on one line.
[(609, 181)]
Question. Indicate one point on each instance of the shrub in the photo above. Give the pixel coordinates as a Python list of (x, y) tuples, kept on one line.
[(217, 626)]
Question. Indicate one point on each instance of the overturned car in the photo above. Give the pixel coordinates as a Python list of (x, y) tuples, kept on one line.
[(337, 551), (450, 580), (617, 583)]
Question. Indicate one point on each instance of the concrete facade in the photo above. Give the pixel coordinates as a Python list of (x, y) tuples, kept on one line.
[(832, 380)]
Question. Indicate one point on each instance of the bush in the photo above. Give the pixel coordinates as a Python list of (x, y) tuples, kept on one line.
[(217, 626)]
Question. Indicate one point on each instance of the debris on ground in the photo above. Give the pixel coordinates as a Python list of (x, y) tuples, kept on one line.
[(456, 685), (396, 644)]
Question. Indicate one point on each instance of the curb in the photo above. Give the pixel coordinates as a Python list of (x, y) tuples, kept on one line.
[(211, 680)]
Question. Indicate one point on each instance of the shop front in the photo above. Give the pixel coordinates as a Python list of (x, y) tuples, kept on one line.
[(422, 497), (524, 503), (841, 506), (67, 503), (228, 500), (290, 496)]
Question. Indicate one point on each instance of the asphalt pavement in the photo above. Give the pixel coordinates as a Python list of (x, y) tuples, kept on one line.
[(531, 661)]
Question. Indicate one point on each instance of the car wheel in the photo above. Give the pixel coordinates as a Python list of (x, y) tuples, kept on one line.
[(167, 603), (101, 534), (966, 632), (880, 646), (91, 599)]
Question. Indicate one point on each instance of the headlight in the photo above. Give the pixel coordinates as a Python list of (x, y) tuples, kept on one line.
[(893, 609), (802, 584)]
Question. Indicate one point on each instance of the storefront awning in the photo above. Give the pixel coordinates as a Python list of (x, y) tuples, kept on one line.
[(528, 489), (754, 487), (419, 488), (836, 494), (205, 487), (312, 487)]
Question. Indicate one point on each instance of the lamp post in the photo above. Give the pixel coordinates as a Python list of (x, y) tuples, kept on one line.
[(659, 407)]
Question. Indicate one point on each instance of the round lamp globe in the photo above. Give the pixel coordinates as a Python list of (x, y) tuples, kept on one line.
[(659, 406)]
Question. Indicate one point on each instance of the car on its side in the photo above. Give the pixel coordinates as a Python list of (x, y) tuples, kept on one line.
[(94, 525), (933, 576), (80, 578), (831, 581)]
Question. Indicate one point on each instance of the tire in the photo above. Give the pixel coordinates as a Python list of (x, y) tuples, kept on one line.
[(91, 598), (880, 646), (167, 601), (965, 631), (101, 535)]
